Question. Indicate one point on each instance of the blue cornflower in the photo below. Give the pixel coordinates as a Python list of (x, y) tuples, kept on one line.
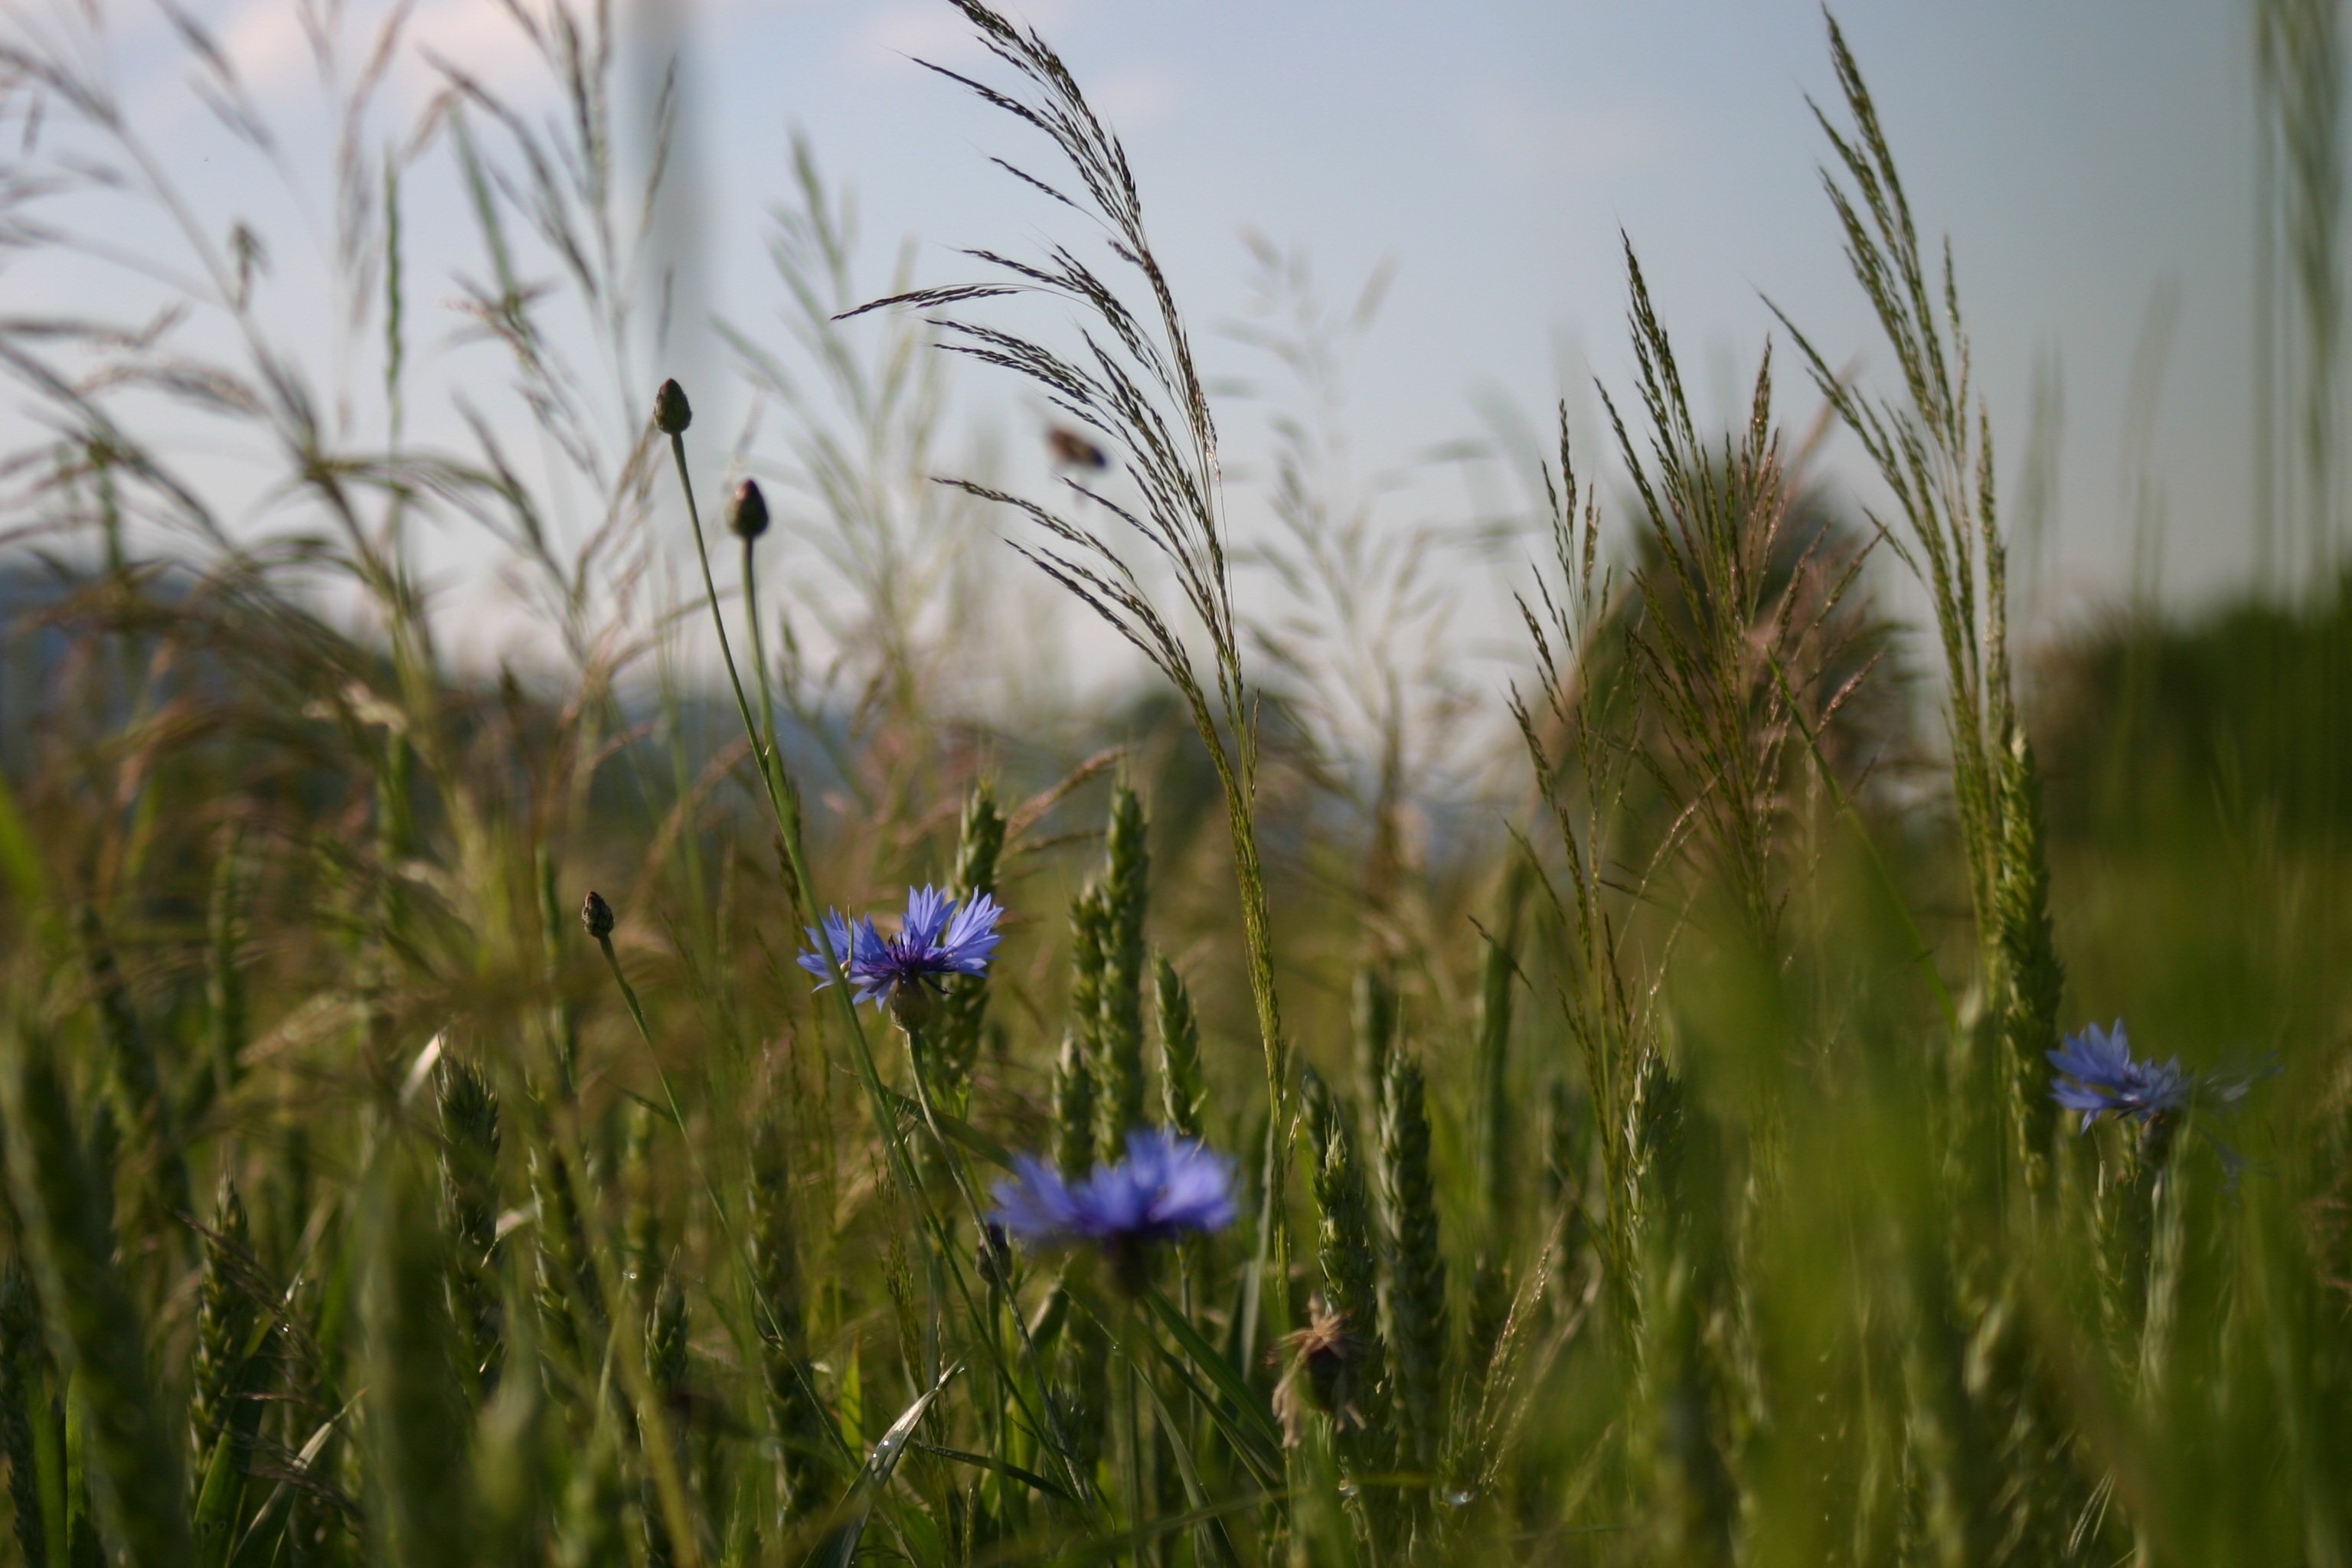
[(936, 940), (1165, 1187), (2106, 1080)]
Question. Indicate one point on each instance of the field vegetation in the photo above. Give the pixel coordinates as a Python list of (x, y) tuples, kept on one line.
[(1772, 1080)]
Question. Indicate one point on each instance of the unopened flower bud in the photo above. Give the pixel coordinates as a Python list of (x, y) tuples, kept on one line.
[(672, 413), (747, 512), (597, 916)]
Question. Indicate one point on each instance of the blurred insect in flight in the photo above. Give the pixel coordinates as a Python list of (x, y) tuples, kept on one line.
[(1072, 451)]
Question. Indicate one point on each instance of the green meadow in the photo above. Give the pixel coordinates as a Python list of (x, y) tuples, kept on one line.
[(1635, 1103)]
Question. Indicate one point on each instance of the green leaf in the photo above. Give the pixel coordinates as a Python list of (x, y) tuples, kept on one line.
[(216, 1505), (1221, 1371), (1029, 1478), (955, 1127), (840, 1543)]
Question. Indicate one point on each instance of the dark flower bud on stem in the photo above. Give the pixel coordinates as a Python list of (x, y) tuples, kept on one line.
[(747, 512), (672, 413), (597, 916)]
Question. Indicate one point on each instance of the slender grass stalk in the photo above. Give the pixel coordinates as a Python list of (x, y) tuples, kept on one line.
[(1137, 388)]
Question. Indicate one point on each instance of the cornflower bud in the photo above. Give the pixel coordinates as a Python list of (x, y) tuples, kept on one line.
[(597, 916), (672, 413)]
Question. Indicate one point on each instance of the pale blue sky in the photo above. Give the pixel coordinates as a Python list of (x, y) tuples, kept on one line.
[(2086, 154)]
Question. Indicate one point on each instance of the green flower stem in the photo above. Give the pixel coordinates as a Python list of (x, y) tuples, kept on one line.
[(783, 801), (758, 648), (1064, 1450)]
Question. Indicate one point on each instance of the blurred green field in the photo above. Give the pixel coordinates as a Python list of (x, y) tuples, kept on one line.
[(1645, 1151)]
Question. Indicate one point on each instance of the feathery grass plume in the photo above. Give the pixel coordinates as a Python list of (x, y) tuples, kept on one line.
[(470, 1208), (1724, 644), (1134, 387), (781, 1319), (1350, 1375), (955, 1034), (227, 1371), (1415, 1325), (1185, 1090), (1933, 448), (1570, 732), (417, 1429), (31, 1419), (132, 1458), (135, 1080), (1126, 892)]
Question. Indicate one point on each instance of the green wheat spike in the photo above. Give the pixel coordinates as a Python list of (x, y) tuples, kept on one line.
[(570, 1301), (955, 1035), (1185, 1090), (1089, 925), (1126, 887), (225, 1371), (1373, 1019), (60, 1199), (1074, 1108), (470, 1208), (1350, 1254), (1415, 1329)]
